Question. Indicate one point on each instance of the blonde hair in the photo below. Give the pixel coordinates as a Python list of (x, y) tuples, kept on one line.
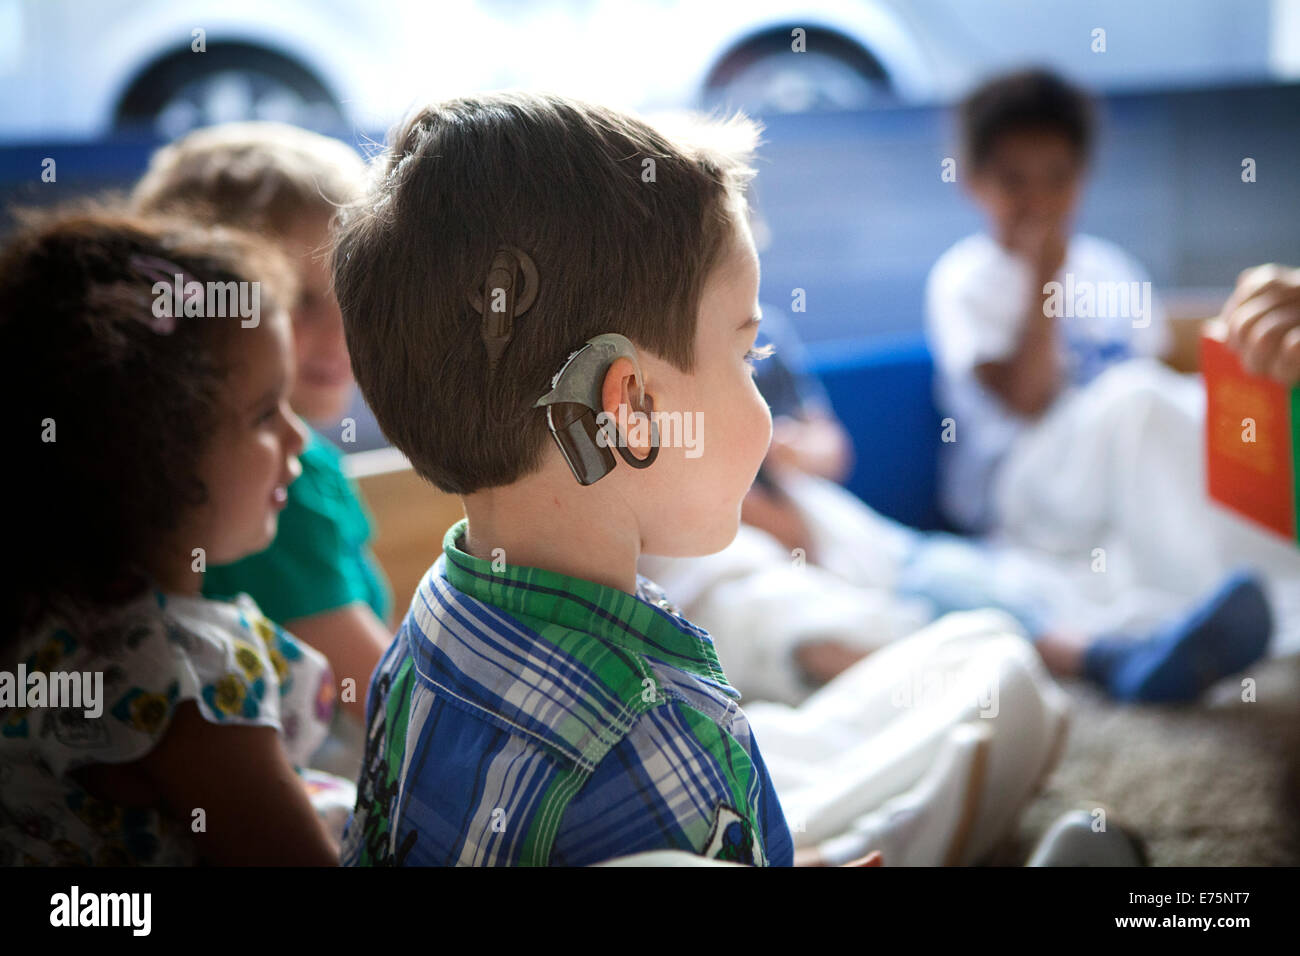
[(268, 177)]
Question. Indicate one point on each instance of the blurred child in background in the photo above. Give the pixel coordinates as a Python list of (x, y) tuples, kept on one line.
[(1004, 353), (1067, 437)]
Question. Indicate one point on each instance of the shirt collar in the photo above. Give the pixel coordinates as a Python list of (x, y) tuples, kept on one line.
[(645, 624)]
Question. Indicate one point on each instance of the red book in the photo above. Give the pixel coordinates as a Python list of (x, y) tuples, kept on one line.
[(1252, 431)]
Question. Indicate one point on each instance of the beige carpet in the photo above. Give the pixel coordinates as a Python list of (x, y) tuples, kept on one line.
[(1215, 784)]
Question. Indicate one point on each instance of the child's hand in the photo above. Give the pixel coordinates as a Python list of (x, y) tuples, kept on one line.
[(871, 859), (811, 856), (1042, 245), (779, 518), (1263, 318), (818, 445), (1049, 256)]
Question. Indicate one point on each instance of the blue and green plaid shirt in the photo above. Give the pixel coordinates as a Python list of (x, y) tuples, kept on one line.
[(525, 717)]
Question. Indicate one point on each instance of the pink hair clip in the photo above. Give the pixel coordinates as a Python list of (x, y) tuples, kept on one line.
[(181, 289)]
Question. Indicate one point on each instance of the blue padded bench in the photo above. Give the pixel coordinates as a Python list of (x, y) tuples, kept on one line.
[(882, 392)]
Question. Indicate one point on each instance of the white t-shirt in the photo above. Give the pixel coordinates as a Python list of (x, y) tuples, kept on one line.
[(975, 305)]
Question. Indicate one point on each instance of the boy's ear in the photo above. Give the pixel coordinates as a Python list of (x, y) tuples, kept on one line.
[(620, 388)]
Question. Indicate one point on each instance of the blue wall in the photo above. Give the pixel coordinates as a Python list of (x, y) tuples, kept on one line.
[(881, 391), (858, 212)]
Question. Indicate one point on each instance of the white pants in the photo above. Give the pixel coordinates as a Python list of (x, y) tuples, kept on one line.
[(926, 750), (929, 747), (1110, 488)]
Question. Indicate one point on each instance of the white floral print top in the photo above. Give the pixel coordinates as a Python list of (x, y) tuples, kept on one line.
[(236, 665)]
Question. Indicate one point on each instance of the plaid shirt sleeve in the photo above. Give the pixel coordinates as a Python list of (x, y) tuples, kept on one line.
[(676, 781)]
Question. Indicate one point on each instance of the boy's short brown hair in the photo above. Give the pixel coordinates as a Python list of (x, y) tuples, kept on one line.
[(623, 222), (268, 177)]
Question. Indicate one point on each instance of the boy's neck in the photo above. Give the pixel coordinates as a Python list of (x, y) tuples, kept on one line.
[(545, 522)]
